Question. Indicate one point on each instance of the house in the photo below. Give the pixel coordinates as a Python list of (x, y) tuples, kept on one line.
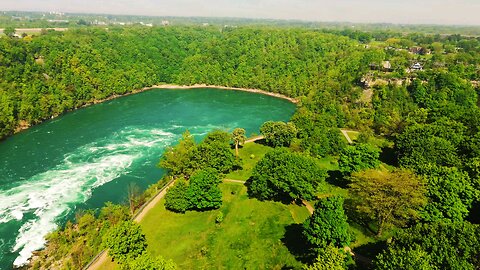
[(387, 66), (416, 66)]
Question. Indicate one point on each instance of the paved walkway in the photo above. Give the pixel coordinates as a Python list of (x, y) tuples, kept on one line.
[(102, 257), (234, 181), (309, 206), (254, 139), (344, 132)]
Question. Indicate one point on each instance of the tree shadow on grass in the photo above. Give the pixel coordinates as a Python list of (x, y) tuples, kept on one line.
[(365, 254), (388, 156), (337, 178), (294, 240)]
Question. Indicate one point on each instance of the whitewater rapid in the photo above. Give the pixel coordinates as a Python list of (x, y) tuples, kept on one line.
[(47, 197)]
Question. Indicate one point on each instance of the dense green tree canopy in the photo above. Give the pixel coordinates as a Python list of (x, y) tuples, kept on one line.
[(125, 242), (215, 152), (278, 133), (177, 159), (450, 193), (387, 197), (440, 245), (146, 262), (176, 198), (328, 224), (203, 192), (329, 258), (358, 157), (284, 175)]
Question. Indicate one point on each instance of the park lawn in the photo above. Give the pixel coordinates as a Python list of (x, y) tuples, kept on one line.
[(250, 154), (329, 163), (250, 236)]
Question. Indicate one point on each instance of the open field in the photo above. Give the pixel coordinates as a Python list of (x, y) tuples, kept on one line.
[(250, 236)]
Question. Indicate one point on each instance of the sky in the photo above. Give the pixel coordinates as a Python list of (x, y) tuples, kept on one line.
[(460, 12)]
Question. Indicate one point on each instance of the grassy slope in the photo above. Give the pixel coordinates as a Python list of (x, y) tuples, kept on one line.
[(248, 238), (249, 161)]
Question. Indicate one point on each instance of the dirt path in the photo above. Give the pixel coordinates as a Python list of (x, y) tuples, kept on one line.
[(102, 257), (344, 132)]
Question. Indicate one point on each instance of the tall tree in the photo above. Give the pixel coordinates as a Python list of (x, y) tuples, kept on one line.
[(283, 175), (328, 224), (278, 134), (203, 191), (176, 198), (388, 198), (358, 157), (177, 159), (239, 137), (125, 241), (329, 258), (443, 245)]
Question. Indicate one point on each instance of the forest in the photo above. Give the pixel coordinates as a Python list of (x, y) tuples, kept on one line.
[(411, 178)]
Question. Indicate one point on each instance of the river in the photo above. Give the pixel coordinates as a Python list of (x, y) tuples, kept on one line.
[(88, 157)]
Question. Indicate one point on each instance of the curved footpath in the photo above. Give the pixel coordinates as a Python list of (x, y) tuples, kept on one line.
[(102, 257)]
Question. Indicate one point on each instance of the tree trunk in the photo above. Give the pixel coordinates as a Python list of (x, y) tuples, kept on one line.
[(380, 227), (236, 149)]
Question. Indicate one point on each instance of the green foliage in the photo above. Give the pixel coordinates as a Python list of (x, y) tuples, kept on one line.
[(76, 244), (186, 157), (125, 242), (177, 159), (388, 198), (436, 143), (238, 136), (203, 191), (9, 31), (214, 152), (358, 157), (219, 218), (284, 175), (318, 136), (278, 133), (328, 225), (329, 258), (439, 245), (450, 193), (146, 262), (407, 259), (176, 198), (250, 236)]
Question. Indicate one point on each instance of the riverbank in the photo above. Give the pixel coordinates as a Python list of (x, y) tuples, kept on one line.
[(251, 90), (22, 125)]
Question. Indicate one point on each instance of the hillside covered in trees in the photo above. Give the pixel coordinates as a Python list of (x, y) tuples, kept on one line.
[(410, 180)]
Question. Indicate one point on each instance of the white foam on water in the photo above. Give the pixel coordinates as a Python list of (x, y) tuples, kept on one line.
[(52, 194)]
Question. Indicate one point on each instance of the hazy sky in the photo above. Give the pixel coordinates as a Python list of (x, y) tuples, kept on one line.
[(393, 11)]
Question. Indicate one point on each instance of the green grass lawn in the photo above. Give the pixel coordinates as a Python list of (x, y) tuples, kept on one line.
[(248, 238), (250, 154)]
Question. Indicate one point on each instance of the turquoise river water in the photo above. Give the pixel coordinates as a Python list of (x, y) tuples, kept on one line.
[(88, 157)]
